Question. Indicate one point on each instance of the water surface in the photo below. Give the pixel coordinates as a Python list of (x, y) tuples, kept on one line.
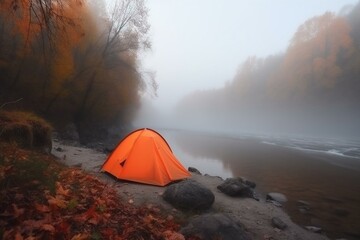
[(318, 172)]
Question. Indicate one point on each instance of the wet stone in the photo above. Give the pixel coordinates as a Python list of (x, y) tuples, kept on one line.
[(279, 197)]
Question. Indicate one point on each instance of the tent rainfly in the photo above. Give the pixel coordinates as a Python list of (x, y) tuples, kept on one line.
[(144, 156)]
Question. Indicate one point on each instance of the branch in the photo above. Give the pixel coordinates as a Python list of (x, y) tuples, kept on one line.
[(7, 103)]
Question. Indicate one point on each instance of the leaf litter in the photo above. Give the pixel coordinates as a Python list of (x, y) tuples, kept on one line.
[(42, 199)]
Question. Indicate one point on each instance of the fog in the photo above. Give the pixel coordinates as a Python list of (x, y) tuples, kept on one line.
[(285, 67)]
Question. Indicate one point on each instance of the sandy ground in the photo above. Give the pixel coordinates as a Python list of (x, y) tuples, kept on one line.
[(254, 215)]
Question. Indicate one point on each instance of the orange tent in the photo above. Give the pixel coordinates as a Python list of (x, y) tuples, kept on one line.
[(144, 156)]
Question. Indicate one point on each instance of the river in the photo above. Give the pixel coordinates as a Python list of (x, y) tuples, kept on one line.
[(323, 172)]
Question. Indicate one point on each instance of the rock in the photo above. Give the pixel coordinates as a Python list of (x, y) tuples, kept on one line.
[(236, 187), (303, 206), (194, 170), (275, 203), (208, 175), (214, 226), (303, 210), (279, 197), (303, 203), (59, 149), (189, 195), (278, 223), (248, 182), (314, 229)]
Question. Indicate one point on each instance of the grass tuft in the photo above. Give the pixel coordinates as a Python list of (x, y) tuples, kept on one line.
[(25, 129)]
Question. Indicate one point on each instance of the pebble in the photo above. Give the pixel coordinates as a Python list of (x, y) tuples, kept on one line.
[(275, 203), (279, 197), (313, 229), (303, 203)]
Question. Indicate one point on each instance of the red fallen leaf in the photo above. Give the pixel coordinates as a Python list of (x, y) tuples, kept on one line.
[(19, 196), (42, 208), (18, 236), (90, 215), (48, 227), (148, 219), (170, 235), (108, 232), (31, 238), (56, 201), (17, 211), (33, 224), (61, 191), (93, 191), (8, 234), (81, 236), (63, 227), (94, 220)]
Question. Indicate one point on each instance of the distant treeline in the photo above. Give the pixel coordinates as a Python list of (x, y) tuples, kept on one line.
[(73, 61), (316, 82)]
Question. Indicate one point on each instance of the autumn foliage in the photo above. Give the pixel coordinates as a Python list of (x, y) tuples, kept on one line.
[(316, 81), (41, 199), (73, 61)]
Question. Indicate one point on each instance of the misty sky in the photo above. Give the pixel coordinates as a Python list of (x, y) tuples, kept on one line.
[(199, 44)]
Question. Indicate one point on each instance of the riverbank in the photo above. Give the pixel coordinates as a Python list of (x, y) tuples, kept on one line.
[(254, 215)]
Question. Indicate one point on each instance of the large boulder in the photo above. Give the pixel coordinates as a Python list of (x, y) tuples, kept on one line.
[(189, 195), (238, 187), (214, 226)]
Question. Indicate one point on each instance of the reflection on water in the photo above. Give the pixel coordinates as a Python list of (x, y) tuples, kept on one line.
[(333, 191)]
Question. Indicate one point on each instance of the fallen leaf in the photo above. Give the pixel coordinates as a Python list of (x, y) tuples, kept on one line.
[(60, 190), (42, 208), (19, 196), (63, 227), (30, 238), (170, 235), (48, 227), (93, 191), (18, 236), (56, 201), (148, 219), (17, 211), (81, 236), (33, 224)]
